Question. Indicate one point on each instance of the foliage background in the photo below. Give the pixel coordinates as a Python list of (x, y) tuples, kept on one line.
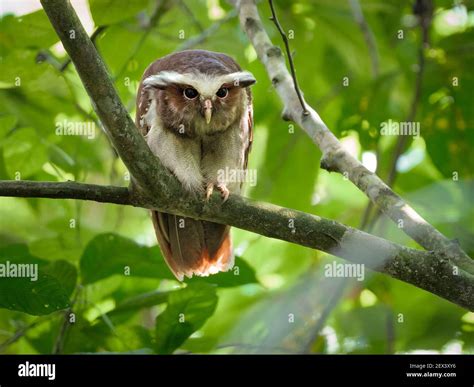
[(280, 301)]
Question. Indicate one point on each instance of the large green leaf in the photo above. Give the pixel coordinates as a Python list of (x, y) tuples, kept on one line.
[(46, 288), (65, 273), (288, 173), (24, 153), (43, 296), (187, 311), (109, 254), (33, 31)]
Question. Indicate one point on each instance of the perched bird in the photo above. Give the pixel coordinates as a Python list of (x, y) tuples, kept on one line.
[(195, 110)]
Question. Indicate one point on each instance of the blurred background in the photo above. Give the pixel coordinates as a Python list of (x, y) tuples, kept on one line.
[(105, 287)]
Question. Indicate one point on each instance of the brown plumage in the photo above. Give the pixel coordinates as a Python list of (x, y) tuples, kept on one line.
[(195, 110)]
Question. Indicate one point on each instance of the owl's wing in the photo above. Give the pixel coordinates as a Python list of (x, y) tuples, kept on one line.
[(143, 105)]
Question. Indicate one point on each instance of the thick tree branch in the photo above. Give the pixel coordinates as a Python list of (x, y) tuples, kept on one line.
[(335, 157), (431, 271)]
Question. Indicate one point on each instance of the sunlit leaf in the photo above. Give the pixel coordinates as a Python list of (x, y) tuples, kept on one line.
[(187, 311)]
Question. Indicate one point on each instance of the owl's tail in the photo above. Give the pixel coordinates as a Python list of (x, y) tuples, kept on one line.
[(193, 246)]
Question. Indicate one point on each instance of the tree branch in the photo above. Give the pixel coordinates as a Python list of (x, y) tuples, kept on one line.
[(161, 7), (368, 36), (275, 20), (335, 157), (205, 34), (431, 271), (65, 190)]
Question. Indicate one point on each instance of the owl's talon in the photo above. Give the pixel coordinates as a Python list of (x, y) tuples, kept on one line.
[(209, 190), (224, 191)]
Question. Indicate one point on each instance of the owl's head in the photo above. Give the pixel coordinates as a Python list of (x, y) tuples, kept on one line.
[(196, 102)]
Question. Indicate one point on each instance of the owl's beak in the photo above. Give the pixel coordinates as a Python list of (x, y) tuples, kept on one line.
[(208, 110)]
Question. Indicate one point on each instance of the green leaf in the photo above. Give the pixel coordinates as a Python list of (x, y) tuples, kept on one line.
[(31, 110), (105, 12), (292, 162), (39, 291), (33, 31), (109, 254), (130, 339), (85, 337), (24, 152), (65, 273), (187, 311), (141, 301)]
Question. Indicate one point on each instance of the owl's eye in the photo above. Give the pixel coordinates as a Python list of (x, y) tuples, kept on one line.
[(190, 93), (222, 92)]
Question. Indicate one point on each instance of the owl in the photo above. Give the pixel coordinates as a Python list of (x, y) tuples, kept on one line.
[(195, 110)]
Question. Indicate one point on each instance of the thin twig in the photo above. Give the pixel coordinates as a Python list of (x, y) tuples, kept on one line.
[(275, 20), (368, 36), (17, 335), (22, 331), (205, 34), (162, 6), (59, 344), (189, 13)]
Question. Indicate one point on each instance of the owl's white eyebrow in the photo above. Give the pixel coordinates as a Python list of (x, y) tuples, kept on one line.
[(205, 84), (165, 78)]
